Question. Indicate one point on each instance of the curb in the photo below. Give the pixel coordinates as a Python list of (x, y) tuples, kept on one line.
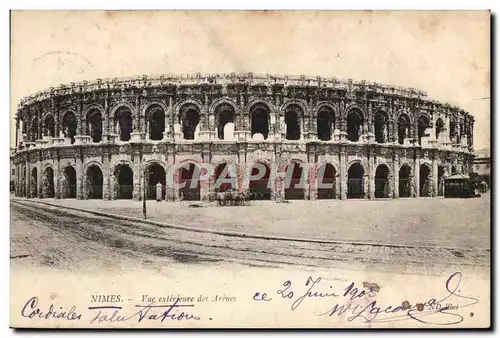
[(230, 233)]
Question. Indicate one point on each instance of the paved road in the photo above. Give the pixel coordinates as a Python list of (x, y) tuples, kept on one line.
[(140, 242)]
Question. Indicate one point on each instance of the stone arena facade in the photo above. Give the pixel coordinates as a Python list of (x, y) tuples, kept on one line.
[(111, 139)]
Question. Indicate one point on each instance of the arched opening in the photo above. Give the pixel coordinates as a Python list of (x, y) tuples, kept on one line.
[(439, 128), (94, 125), (224, 177), (423, 124), (295, 189), (124, 182), (324, 123), (425, 182), (260, 188), (404, 181), (34, 130), (224, 114), (123, 123), (403, 128), (48, 183), (381, 127), (156, 174), (68, 184), (189, 119), (69, 126), (453, 132), (293, 114), (355, 183), (354, 125), (50, 126), (34, 183), (382, 188), (94, 182), (156, 122), (259, 115), (326, 182), (189, 174), (441, 172), (453, 170)]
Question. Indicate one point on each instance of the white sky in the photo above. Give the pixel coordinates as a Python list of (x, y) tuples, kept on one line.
[(444, 53)]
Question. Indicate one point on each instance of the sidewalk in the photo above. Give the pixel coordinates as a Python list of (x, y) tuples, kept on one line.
[(420, 222)]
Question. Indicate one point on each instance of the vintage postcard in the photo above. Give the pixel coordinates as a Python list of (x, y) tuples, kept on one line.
[(250, 169)]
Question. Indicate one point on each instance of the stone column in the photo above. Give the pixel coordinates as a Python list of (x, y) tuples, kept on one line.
[(137, 173), (39, 176), (135, 135), (343, 174), (80, 176), (395, 169), (371, 174), (106, 184), (416, 177), (435, 181), (57, 183), (28, 178), (106, 123), (311, 176)]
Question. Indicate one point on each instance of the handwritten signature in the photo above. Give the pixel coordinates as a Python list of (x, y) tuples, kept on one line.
[(432, 311)]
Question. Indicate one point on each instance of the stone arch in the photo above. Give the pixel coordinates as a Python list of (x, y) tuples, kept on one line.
[(151, 103), (93, 119), (189, 115), (295, 118), (68, 178), (121, 104), (301, 103), (355, 120), (231, 175), (439, 127), (224, 111), (69, 124), (405, 177), (356, 173), (154, 114), (91, 163), (49, 125), (181, 104), (220, 101), (423, 123), (355, 106), (295, 179), (262, 188), (48, 187), (425, 183), (123, 180), (189, 177), (91, 107), (382, 178), (324, 178), (260, 113), (269, 105), (94, 180), (34, 130), (322, 104)]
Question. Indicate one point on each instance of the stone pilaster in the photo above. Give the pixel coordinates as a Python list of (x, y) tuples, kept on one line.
[(80, 176), (395, 169), (416, 177), (343, 174), (371, 174)]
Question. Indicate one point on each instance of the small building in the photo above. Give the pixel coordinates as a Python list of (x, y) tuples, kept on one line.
[(459, 185)]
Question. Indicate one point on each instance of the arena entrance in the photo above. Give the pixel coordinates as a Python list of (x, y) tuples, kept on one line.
[(156, 173), (48, 183), (94, 182), (294, 191), (189, 174), (355, 184), (260, 188), (382, 182), (425, 182), (224, 174), (34, 183), (68, 186), (125, 178), (326, 176), (404, 181)]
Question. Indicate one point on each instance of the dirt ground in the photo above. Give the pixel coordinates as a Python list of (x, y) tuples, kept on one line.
[(423, 221)]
